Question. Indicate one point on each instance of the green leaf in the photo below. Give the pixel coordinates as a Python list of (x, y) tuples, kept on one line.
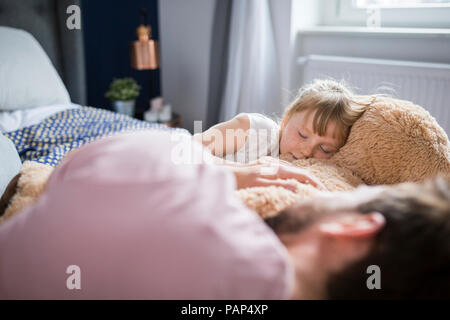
[(124, 89)]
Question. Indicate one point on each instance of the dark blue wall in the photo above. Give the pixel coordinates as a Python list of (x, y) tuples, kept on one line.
[(108, 28)]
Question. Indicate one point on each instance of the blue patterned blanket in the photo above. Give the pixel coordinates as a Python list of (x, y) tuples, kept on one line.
[(50, 140)]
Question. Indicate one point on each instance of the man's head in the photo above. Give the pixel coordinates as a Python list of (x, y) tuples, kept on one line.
[(404, 230)]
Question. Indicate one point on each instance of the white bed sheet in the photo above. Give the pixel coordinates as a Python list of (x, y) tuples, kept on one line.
[(18, 119)]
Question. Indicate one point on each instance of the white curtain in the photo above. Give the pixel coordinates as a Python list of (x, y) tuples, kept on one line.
[(252, 79)]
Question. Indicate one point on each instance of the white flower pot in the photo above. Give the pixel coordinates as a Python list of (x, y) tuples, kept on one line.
[(124, 107)]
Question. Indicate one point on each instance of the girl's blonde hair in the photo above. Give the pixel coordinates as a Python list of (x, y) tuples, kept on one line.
[(334, 101)]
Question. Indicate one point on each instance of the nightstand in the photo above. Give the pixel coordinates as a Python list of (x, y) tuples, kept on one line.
[(175, 122)]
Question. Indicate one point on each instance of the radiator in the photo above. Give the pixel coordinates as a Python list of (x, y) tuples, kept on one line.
[(426, 84)]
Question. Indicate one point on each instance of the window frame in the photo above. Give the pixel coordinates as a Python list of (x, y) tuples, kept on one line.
[(343, 13), (406, 6)]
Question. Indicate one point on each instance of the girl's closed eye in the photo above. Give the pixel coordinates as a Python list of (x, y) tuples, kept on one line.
[(323, 148), (301, 135), (326, 150)]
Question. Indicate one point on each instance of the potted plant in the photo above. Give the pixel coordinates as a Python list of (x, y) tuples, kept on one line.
[(123, 93)]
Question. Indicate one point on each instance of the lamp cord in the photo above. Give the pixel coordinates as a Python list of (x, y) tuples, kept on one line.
[(144, 16)]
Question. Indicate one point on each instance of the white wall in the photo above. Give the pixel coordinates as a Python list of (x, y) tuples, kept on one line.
[(185, 29), (304, 14)]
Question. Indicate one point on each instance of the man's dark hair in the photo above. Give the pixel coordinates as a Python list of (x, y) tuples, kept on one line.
[(412, 251)]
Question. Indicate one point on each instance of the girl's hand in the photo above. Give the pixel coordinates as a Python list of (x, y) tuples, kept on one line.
[(266, 172)]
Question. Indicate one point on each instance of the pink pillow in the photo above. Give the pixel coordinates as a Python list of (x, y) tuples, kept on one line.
[(139, 226)]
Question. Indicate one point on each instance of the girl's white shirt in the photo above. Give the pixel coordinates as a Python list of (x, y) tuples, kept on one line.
[(262, 139)]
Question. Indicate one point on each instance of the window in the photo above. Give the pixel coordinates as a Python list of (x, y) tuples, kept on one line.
[(400, 3), (392, 13)]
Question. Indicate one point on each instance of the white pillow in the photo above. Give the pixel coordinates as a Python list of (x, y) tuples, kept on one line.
[(27, 76)]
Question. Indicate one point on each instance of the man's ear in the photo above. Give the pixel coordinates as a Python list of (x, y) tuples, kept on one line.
[(354, 225)]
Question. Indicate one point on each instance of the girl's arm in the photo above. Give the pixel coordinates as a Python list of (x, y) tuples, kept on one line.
[(226, 137)]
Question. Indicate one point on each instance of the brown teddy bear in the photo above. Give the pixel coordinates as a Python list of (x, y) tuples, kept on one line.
[(394, 141)]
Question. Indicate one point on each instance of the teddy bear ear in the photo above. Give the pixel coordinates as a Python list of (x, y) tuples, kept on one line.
[(395, 141)]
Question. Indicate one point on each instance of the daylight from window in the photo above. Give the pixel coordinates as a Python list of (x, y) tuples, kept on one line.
[(401, 3)]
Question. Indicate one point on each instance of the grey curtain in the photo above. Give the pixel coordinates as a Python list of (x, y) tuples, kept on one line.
[(46, 21), (219, 57)]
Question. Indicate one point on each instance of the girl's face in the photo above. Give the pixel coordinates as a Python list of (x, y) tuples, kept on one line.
[(298, 140)]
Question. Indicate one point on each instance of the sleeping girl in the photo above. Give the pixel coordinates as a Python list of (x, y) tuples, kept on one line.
[(315, 125)]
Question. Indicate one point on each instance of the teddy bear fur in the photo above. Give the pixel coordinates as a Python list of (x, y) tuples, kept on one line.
[(394, 141), (268, 201), (31, 184)]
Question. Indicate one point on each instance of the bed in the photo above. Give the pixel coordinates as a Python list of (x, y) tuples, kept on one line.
[(47, 134)]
